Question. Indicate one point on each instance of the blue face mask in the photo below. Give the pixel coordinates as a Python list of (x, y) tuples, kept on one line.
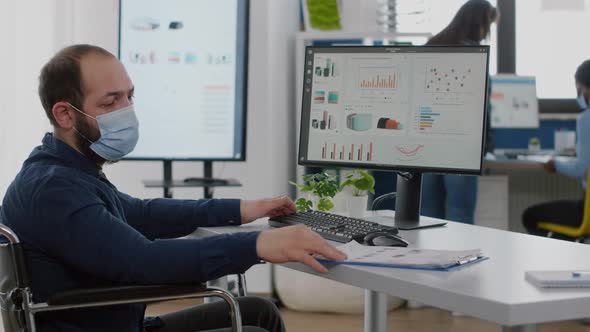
[(582, 102), (119, 132)]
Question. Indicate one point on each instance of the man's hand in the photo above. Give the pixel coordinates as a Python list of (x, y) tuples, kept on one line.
[(295, 244), (278, 206), (549, 166)]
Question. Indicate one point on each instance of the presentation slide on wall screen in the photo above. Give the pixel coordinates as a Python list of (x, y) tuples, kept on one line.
[(188, 71)]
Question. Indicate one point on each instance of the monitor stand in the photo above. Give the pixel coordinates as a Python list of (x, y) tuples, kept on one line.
[(207, 181), (407, 204)]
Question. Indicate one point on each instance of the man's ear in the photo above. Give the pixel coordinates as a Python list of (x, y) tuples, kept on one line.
[(63, 114)]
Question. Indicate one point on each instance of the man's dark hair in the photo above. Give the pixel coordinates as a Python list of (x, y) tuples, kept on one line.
[(471, 24), (583, 74), (61, 77)]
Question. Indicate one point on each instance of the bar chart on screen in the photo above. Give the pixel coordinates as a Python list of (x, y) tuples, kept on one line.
[(377, 77), (324, 120), (349, 152), (373, 78), (326, 67), (426, 118), (442, 120)]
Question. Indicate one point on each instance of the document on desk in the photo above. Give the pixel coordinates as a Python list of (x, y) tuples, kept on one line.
[(558, 279), (407, 258)]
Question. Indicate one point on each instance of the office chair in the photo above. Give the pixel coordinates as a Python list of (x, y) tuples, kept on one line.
[(18, 308), (578, 233), (378, 200)]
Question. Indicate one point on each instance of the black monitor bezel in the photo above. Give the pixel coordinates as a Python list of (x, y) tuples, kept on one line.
[(243, 28), (301, 160)]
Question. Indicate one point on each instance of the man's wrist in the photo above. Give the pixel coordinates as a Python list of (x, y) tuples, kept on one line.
[(222, 212)]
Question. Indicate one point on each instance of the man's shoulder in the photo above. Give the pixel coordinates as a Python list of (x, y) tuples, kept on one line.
[(37, 174), (47, 190), (36, 178)]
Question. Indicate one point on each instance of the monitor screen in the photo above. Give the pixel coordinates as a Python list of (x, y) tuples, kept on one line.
[(189, 73), (514, 102), (413, 108)]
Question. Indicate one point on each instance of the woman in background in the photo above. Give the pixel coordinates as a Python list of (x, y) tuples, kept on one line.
[(453, 197), (567, 212), (449, 197)]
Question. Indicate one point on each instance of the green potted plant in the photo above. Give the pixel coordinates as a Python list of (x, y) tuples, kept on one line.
[(534, 144), (320, 189), (362, 183)]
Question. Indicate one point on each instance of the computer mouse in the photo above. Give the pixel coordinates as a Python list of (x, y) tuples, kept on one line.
[(384, 239)]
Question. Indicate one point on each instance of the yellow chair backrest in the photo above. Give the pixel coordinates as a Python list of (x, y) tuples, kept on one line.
[(585, 226)]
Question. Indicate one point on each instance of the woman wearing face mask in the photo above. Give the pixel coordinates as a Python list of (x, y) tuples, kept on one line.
[(453, 197), (567, 212)]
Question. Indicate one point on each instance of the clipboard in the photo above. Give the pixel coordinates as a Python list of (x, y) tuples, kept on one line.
[(410, 267), (405, 257)]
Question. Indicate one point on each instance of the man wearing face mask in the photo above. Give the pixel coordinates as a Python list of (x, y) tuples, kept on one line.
[(568, 212), (119, 133), (79, 231)]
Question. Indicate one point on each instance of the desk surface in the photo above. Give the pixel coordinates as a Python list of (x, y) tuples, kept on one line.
[(493, 290), (523, 162)]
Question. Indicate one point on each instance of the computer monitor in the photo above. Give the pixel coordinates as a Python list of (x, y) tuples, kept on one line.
[(514, 102), (411, 109)]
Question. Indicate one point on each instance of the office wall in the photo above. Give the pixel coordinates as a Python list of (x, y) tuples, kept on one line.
[(35, 35), (26, 44)]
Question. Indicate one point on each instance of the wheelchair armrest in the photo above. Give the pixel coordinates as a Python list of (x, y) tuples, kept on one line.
[(82, 296)]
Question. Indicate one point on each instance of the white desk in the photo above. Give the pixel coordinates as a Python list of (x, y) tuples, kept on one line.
[(494, 290)]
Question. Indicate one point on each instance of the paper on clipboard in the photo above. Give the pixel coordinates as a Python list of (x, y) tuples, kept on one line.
[(358, 254)]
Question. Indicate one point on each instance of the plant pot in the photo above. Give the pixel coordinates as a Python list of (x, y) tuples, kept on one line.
[(357, 205)]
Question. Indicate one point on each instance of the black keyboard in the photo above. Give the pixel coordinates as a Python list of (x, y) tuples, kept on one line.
[(332, 226)]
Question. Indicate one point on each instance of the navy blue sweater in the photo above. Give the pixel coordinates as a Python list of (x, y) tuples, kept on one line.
[(79, 231)]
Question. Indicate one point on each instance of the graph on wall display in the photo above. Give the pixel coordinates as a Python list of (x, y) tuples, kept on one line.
[(349, 152), (377, 77)]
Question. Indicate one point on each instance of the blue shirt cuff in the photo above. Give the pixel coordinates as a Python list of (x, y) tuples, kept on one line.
[(244, 250), (226, 212)]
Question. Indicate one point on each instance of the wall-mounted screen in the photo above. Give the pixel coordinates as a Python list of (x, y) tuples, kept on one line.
[(188, 61)]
